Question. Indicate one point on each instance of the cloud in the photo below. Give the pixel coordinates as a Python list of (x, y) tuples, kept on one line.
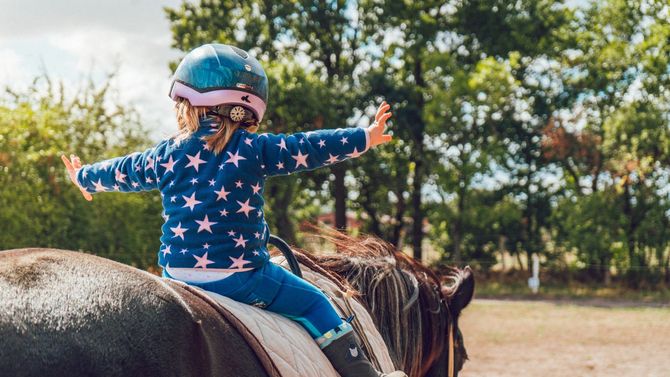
[(38, 17), (12, 69), (73, 40), (142, 76)]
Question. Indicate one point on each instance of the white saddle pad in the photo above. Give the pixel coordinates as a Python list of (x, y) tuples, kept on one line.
[(292, 349)]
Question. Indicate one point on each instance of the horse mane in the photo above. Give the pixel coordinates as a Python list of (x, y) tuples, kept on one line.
[(404, 297)]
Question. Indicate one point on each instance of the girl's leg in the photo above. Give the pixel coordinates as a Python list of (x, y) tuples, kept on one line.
[(280, 291)]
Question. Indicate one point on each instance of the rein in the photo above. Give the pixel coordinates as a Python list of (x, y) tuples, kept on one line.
[(451, 349)]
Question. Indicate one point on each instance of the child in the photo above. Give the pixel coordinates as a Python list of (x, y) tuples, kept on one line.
[(211, 177)]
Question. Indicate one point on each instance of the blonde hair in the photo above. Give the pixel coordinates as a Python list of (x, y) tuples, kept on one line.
[(188, 122)]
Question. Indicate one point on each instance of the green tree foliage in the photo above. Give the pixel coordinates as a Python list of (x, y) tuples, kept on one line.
[(40, 206), (530, 126)]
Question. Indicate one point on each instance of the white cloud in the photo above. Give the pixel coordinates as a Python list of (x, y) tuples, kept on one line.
[(38, 17), (75, 39), (12, 71)]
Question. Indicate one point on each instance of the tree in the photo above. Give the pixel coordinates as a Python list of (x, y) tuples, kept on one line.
[(40, 205)]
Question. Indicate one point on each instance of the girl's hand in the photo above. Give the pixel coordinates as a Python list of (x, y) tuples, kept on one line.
[(377, 128), (73, 165)]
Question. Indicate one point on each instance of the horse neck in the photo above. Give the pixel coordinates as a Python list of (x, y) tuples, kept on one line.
[(407, 311)]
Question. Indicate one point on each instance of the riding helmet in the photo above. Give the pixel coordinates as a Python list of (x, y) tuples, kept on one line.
[(218, 74)]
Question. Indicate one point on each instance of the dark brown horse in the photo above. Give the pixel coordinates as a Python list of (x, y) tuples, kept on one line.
[(68, 313)]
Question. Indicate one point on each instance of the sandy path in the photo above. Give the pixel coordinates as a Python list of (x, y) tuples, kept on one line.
[(514, 338)]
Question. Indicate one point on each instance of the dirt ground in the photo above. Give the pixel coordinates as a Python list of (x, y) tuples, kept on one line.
[(525, 338)]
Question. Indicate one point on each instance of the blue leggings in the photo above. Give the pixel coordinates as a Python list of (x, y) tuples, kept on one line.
[(274, 288)]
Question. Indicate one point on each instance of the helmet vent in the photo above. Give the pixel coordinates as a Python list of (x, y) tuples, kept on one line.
[(240, 52)]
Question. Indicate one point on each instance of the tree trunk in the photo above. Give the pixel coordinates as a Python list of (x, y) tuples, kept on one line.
[(396, 236), (417, 184), (501, 248), (340, 197), (282, 196), (633, 275), (369, 207), (458, 231), (400, 208)]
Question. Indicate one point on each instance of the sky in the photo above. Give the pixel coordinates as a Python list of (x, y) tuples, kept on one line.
[(71, 40)]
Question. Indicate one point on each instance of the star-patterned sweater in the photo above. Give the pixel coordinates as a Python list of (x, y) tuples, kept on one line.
[(213, 204)]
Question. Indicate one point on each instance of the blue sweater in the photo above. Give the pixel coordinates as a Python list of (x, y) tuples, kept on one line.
[(213, 204)]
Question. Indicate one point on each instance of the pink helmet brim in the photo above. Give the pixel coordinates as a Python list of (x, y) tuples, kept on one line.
[(219, 97)]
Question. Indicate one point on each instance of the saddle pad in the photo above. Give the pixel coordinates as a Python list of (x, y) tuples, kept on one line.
[(290, 347)]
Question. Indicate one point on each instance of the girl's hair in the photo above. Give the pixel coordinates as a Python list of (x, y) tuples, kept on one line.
[(188, 122)]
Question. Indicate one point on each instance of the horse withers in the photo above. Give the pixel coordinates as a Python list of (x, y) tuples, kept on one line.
[(65, 313)]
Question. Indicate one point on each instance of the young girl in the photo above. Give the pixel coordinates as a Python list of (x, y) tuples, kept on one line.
[(211, 177)]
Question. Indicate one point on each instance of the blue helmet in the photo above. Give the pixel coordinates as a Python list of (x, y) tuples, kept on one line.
[(218, 74)]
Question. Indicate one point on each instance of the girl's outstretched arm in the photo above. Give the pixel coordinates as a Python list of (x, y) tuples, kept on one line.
[(134, 172), (285, 154)]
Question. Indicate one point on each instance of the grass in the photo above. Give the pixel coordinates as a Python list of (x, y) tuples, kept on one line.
[(515, 287)]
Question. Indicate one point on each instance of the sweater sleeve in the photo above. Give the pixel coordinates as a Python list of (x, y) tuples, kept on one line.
[(285, 154), (134, 172)]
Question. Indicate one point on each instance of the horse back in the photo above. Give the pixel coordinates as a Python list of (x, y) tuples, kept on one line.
[(75, 314)]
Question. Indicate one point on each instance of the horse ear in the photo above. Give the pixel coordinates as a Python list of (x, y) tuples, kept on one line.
[(464, 292)]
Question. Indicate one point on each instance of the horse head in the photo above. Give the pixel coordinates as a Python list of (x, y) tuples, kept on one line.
[(415, 312)]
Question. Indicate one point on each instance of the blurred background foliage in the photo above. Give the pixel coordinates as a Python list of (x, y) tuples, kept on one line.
[(520, 128)]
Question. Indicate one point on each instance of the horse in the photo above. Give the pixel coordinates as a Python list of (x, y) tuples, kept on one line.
[(66, 313)]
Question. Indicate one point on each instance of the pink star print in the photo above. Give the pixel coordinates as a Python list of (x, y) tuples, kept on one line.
[(322, 143), (99, 187), (120, 177), (282, 145), (222, 194), (191, 202), (166, 251), (344, 140), (178, 231), (240, 241), (354, 154), (257, 235), (332, 159), (280, 165), (300, 159), (223, 212), (149, 164), (231, 233), (235, 158), (169, 166), (248, 141), (104, 165), (238, 184), (256, 188), (238, 262), (194, 161), (205, 224), (202, 261), (244, 207)]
